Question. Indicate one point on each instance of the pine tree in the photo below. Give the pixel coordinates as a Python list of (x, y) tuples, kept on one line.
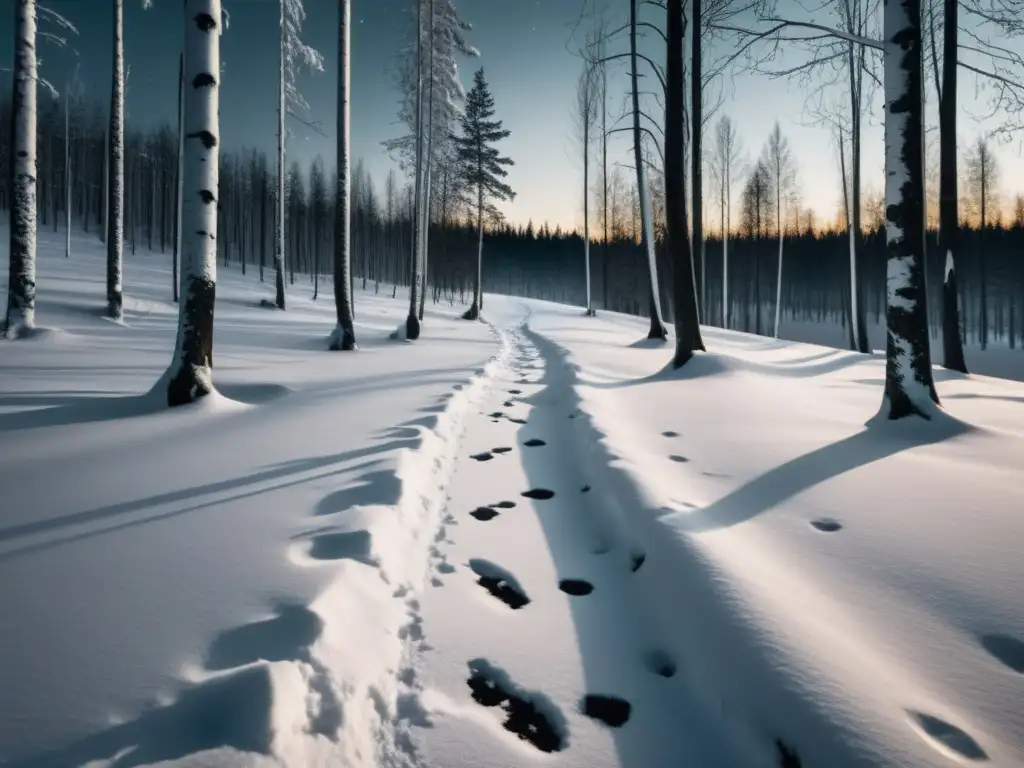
[(482, 168)]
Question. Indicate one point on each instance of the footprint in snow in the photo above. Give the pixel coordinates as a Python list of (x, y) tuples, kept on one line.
[(827, 525), (500, 450), (947, 736), (515, 391), (508, 404), (576, 587), (503, 505), (485, 456), (1006, 649), (669, 433), (532, 716), (636, 560), (483, 514), (679, 459), (610, 710), (517, 421), (534, 443), (346, 545), (659, 663), (585, 489), (496, 415), (538, 493), (500, 583)]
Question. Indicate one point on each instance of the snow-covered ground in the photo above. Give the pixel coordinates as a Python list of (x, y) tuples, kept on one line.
[(512, 543)]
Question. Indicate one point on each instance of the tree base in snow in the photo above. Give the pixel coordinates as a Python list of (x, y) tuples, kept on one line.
[(658, 331), (412, 327), (189, 384), (590, 313), (342, 340), (471, 314), (267, 304)]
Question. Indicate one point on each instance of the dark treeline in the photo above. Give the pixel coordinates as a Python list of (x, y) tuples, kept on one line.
[(537, 263)]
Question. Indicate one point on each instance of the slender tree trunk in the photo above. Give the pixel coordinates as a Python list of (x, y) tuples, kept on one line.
[(686, 315), (604, 184), (696, 155), (344, 336), (191, 373), (115, 201), (21, 290), (778, 276), (430, 167), (179, 175), (858, 309), (279, 266), (726, 202), (909, 387), (982, 278), (412, 323), (586, 192), (852, 292), (67, 172), (657, 330)]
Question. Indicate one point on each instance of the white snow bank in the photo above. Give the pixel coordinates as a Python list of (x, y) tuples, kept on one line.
[(852, 592)]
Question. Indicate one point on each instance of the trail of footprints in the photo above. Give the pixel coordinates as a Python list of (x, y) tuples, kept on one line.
[(531, 715)]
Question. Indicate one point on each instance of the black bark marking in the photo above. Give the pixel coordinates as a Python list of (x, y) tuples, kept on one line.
[(205, 22), (534, 442), (1006, 649), (485, 456), (203, 80), (949, 735), (610, 710), (207, 197), (538, 493), (660, 663), (576, 587), (636, 560), (193, 378), (788, 758), (679, 459), (208, 140), (483, 514), (22, 153), (523, 718), (827, 525)]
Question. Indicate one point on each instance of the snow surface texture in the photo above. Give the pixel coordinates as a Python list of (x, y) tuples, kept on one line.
[(511, 543)]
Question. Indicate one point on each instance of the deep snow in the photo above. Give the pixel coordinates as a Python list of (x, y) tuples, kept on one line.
[(509, 543)]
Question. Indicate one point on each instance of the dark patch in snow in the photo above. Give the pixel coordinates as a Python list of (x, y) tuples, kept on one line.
[(659, 663), (517, 421), (636, 560), (285, 637), (576, 587), (669, 433), (948, 735), (515, 391), (716, 474), (610, 710), (531, 716), (503, 504), (496, 415), (266, 304), (445, 568), (350, 545), (788, 758), (1009, 650), (253, 394), (534, 442), (484, 513), (572, 415), (601, 548), (508, 404), (538, 493), (827, 525), (500, 450), (500, 583), (485, 456), (677, 458), (585, 489)]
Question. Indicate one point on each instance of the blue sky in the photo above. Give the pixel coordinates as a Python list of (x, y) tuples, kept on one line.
[(524, 50)]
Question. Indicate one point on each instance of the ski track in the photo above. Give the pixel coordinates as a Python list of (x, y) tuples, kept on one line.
[(537, 647)]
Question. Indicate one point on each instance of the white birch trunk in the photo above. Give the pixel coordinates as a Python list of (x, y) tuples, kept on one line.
[(191, 371), (67, 172), (478, 299), (279, 223), (778, 277), (344, 335), (179, 177), (21, 287), (425, 236), (586, 206), (412, 323), (115, 199)]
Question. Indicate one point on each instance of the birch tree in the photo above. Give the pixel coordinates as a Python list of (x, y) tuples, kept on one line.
[(179, 179), (344, 335), (294, 55), (483, 168), (585, 115), (782, 172), (21, 290), (725, 167), (982, 181), (190, 376)]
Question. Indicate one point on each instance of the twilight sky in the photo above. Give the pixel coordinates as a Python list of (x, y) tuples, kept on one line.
[(523, 45)]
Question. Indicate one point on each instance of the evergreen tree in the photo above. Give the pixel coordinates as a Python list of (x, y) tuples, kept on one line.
[(482, 168)]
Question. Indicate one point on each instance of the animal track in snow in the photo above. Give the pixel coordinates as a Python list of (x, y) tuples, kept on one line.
[(531, 716), (496, 415), (515, 391), (610, 710), (499, 582), (585, 489), (659, 663), (636, 559), (485, 456), (483, 514), (500, 450), (517, 421), (534, 443), (677, 458), (508, 404), (538, 493), (827, 525), (576, 587), (1009, 650), (669, 433), (948, 736), (503, 505)]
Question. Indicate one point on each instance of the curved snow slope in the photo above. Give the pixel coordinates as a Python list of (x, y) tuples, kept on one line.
[(853, 592)]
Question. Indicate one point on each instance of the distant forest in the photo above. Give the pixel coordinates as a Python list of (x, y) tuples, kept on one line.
[(537, 263)]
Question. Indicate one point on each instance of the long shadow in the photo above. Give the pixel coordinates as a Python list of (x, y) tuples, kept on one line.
[(274, 472), (979, 396), (55, 398)]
